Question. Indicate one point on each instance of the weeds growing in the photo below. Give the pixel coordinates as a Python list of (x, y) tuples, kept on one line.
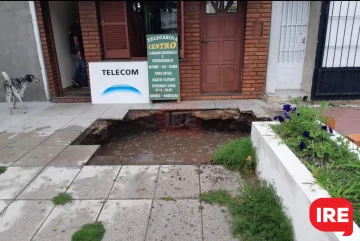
[(2, 170), (168, 199), (89, 232), (220, 196), (237, 154), (335, 167), (62, 199)]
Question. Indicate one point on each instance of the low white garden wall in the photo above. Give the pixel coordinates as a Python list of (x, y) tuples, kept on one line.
[(293, 182)]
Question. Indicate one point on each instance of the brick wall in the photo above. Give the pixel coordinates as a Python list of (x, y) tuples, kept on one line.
[(257, 31)]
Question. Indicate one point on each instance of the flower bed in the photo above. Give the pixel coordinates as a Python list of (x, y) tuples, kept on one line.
[(318, 159)]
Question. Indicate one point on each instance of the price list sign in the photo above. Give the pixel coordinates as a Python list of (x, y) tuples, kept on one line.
[(163, 66)]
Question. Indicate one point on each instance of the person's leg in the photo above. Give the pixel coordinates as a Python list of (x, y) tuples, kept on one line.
[(77, 73), (83, 75)]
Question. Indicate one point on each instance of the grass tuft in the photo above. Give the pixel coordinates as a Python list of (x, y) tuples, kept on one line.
[(237, 154), (220, 196), (89, 232), (2, 170), (258, 215), (168, 199), (62, 199)]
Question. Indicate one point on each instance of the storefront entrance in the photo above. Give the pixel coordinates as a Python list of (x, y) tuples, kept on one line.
[(222, 40)]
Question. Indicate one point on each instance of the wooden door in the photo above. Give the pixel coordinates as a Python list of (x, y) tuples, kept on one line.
[(115, 29), (222, 25)]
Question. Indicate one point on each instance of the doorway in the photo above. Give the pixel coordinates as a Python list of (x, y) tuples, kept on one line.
[(222, 40)]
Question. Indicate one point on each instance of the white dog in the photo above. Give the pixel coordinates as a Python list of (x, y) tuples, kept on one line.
[(15, 87)]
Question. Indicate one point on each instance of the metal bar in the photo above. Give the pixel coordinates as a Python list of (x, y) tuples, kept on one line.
[(301, 29), (282, 48), (293, 4), (342, 46), (352, 29), (357, 43), (295, 25), (337, 32), (327, 51), (287, 27)]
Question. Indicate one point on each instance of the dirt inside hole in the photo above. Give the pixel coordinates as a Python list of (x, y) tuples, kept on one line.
[(164, 137)]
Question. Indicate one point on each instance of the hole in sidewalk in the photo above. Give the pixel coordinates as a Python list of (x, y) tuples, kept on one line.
[(147, 137)]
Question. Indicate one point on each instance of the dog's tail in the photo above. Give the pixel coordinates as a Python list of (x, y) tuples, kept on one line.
[(6, 77)]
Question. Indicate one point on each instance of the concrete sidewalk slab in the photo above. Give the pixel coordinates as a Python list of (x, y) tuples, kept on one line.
[(6, 138), (94, 182), (125, 219), (74, 156), (92, 113), (218, 177), (3, 205), (225, 104), (175, 221), (10, 154), (15, 179), (135, 182), (22, 219), (62, 137), (216, 225), (178, 182), (114, 114), (49, 183), (33, 138), (65, 220), (39, 156), (141, 107), (79, 124), (205, 104)]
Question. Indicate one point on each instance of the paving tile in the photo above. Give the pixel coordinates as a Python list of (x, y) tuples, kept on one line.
[(163, 106), (125, 219), (225, 104), (175, 221), (39, 156), (62, 137), (185, 105), (10, 154), (5, 138), (112, 114), (94, 182), (65, 220), (15, 179), (205, 104), (92, 113), (141, 106), (79, 124), (218, 177), (135, 182), (3, 205), (75, 156), (32, 138), (216, 225), (50, 182), (124, 106), (178, 182), (22, 219)]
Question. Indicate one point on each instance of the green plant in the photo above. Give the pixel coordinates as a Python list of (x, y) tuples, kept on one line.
[(2, 170), (62, 199), (237, 154), (258, 215), (168, 199), (220, 196), (335, 167), (89, 232)]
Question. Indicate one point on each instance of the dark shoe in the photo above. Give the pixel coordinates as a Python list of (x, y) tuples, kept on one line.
[(75, 83)]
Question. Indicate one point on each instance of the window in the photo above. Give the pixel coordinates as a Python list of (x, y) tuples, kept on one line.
[(125, 25), (214, 7)]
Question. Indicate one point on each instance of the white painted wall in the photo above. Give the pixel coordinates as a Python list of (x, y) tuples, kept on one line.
[(62, 14), (277, 164)]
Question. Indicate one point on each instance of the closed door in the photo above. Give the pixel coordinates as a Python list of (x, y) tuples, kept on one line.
[(288, 34), (221, 45)]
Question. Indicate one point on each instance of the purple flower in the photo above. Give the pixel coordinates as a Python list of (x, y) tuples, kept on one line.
[(324, 128), (276, 117), (330, 130), (281, 119), (287, 107), (306, 134), (286, 115), (302, 145)]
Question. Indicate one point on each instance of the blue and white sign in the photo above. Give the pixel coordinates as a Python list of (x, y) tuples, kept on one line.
[(119, 82)]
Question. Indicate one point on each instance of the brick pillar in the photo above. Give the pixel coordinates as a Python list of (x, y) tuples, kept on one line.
[(90, 31), (257, 32), (49, 53), (190, 69)]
